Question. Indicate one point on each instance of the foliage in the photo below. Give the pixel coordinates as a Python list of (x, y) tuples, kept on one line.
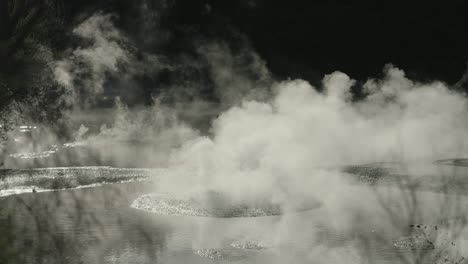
[(29, 30)]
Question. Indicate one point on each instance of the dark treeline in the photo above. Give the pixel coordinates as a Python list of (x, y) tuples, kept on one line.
[(29, 32)]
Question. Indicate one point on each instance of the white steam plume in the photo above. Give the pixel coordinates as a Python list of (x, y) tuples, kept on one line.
[(275, 146), (236, 75), (94, 62)]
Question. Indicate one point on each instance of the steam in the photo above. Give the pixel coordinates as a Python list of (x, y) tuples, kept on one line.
[(103, 57), (301, 129), (143, 125), (85, 70), (236, 75)]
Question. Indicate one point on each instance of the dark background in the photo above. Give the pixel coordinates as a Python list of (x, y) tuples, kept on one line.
[(306, 39)]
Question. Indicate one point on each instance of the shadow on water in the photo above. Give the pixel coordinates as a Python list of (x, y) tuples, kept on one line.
[(77, 226), (424, 206)]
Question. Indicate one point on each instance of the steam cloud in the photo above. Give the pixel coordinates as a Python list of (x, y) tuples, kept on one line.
[(85, 70), (95, 62), (301, 128)]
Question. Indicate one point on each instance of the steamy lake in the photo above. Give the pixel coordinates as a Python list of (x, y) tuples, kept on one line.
[(165, 131)]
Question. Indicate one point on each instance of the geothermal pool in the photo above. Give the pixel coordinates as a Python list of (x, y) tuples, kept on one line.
[(386, 213)]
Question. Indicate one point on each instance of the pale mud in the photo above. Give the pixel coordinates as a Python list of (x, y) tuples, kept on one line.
[(250, 244), (198, 205)]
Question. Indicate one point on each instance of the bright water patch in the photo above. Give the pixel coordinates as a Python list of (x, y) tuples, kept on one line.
[(437, 176), (453, 162), (21, 189), (47, 179)]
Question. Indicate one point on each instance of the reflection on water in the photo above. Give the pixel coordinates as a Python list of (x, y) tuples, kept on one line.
[(98, 225)]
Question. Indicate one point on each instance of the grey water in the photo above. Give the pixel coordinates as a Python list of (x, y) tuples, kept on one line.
[(97, 224)]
